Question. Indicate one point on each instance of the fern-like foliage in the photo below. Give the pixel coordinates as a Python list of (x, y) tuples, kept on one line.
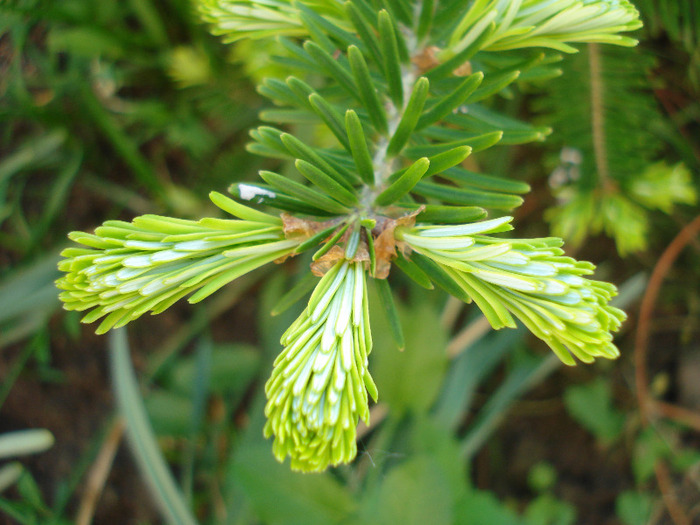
[(400, 91), (608, 147), (680, 20)]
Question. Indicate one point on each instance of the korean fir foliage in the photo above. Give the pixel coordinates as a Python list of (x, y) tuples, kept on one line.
[(397, 95), (318, 389), (608, 178), (125, 269)]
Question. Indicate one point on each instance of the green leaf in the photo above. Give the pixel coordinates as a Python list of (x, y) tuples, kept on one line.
[(429, 437), (326, 183), (650, 446), (591, 405), (358, 147), (391, 58), (479, 119), (634, 508), (452, 101), (222, 279), (412, 493), (483, 508), (547, 510), (262, 150), (29, 492), (353, 241), (85, 41), (404, 184), (282, 497), (233, 367), (488, 300), (387, 301), (367, 91), (661, 186), (27, 298), (423, 362), (170, 413), (32, 153), (410, 117), (400, 10)]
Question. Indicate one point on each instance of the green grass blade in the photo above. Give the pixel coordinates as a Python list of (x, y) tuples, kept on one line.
[(495, 410), (9, 474), (141, 437), (25, 442)]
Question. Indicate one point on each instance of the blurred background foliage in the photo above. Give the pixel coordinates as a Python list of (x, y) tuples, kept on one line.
[(114, 109)]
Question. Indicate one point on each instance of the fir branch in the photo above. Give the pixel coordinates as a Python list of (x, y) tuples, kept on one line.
[(126, 269), (608, 150), (318, 389), (398, 112), (528, 278)]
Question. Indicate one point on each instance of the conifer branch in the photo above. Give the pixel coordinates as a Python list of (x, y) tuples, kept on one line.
[(399, 110)]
